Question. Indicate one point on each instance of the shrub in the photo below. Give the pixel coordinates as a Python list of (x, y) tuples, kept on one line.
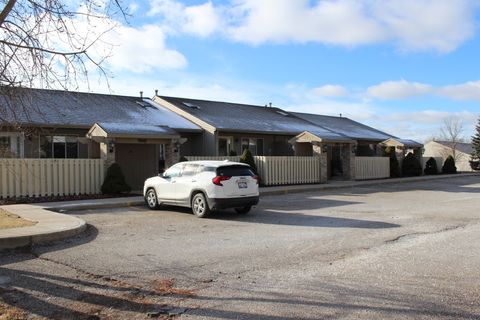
[(431, 166), (411, 166), (232, 153), (394, 166), (182, 159), (114, 182), (449, 165), (247, 158), (475, 164)]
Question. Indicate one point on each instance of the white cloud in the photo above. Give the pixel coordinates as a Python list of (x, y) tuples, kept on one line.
[(419, 25), (133, 7), (143, 50), (398, 90), (405, 23), (469, 91), (330, 90), (119, 47), (200, 20), (334, 22)]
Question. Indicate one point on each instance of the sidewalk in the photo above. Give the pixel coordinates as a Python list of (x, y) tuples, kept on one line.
[(55, 226)]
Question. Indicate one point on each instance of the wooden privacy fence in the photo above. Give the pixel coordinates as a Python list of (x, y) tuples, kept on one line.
[(47, 177), (372, 168), (280, 170)]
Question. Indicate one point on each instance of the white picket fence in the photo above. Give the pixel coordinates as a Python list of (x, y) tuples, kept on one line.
[(280, 170), (372, 168), (46, 177)]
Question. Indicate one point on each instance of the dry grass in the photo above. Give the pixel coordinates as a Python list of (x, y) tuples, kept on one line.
[(9, 220), (11, 313), (166, 287)]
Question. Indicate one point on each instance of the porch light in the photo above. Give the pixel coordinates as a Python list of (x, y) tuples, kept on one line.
[(176, 146), (111, 146), (324, 148), (354, 149)]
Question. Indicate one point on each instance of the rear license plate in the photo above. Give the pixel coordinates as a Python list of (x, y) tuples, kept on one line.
[(242, 185)]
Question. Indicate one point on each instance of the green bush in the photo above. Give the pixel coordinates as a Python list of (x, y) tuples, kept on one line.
[(411, 166), (232, 153), (449, 165), (431, 166), (114, 182), (247, 158), (475, 164), (394, 165)]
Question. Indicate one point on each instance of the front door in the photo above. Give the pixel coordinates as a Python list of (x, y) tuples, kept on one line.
[(138, 162), (336, 161)]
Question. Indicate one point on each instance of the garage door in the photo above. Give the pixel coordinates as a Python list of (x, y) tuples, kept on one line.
[(138, 162)]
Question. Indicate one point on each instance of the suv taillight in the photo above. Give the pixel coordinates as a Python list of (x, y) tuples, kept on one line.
[(256, 178), (218, 180)]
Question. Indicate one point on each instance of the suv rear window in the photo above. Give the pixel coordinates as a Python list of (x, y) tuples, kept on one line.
[(234, 171)]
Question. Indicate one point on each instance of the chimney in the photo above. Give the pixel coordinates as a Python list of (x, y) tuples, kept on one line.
[(156, 92), (270, 104), (141, 94)]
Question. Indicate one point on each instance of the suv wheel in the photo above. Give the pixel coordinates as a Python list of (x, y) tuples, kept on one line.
[(200, 206), (243, 210), (151, 199)]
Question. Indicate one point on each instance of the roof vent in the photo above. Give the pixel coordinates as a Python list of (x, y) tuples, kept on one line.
[(282, 113), (191, 105)]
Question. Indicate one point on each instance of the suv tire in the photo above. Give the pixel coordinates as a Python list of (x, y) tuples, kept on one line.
[(151, 199), (200, 206)]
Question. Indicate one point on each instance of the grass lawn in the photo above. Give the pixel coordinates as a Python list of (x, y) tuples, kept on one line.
[(9, 220)]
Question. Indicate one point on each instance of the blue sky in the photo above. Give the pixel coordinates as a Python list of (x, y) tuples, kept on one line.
[(400, 65)]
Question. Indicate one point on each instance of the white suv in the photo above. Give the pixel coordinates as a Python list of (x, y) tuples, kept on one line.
[(204, 186)]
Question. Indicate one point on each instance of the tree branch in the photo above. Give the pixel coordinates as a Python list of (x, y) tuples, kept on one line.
[(6, 11)]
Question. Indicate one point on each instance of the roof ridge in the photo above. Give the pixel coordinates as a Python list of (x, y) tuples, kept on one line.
[(218, 101), (74, 92)]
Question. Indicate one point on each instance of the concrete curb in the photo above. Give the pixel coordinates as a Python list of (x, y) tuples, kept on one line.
[(50, 226)]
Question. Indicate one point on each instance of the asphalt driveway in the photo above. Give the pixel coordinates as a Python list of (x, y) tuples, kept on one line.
[(392, 251)]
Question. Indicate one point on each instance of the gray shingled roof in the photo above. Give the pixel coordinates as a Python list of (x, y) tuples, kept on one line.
[(346, 126), (75, 109), (249, 118), (136, 129), (461, 146), (410, 143)]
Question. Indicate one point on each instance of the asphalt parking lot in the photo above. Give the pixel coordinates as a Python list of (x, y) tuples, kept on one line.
[(407, 251)]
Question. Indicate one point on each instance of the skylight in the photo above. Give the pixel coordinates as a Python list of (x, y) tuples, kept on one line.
[(143, 104), (191, 105), (282, 113)]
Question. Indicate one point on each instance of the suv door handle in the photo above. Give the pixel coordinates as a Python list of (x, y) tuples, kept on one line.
[(194, 180)]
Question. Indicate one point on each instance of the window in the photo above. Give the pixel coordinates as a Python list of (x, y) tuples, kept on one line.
[(234, 171), (11, 145), (254, 145), (225, 145), (59, 147), (189, 170), (174, 171)]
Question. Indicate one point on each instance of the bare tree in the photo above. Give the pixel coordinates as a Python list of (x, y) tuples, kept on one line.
[(50, 44), (452, 133)]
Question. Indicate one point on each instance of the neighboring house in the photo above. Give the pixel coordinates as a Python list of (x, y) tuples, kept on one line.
[(229, 128), (232, 127), (460, 151), (132, 131), (367, 138)]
